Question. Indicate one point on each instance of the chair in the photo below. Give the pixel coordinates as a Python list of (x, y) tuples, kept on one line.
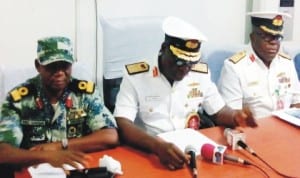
[(126, 40), (297, 64), (214, 55)]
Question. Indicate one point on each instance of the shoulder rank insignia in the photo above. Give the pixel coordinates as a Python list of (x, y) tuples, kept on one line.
[(237, 57), (18, 93), (137, 68), (83, 86), (200, 67), (286, 56)]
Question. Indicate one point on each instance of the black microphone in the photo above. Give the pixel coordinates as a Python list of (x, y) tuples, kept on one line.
[(246, 147), (190, 150), (217, 155)]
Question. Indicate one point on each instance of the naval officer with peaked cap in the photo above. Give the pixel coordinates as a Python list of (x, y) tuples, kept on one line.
[(164, 94), (261, 78)]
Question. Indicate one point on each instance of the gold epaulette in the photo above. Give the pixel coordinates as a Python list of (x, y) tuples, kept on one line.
[(284, 55), (200, 67), (137, 68), (83, 86), (237, 57), (18, 93)]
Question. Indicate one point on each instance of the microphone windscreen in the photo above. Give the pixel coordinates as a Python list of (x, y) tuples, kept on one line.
[(189, 148), (207, 151)]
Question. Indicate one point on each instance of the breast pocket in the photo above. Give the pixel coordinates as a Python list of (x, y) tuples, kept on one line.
[(254, 90), (193, 104), (34, 131), (76, 123)]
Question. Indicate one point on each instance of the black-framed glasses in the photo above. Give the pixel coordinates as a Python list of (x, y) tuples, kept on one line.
[(268, 37)]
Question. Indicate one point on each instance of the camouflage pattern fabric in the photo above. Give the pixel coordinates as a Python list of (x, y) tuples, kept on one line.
[(53, 49), (27, 118)]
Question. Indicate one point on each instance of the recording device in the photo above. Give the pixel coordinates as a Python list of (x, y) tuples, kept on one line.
[(217, 155), (236, 139), (233, 137), (98, 172), (190, 150)]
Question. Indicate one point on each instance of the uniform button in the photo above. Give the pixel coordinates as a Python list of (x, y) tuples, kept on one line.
[(150, 109), (186, 105)]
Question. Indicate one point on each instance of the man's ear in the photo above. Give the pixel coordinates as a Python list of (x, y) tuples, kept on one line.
[(37, 65), (252, 37)]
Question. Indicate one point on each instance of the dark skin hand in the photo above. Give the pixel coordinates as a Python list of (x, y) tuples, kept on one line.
[(13, 155), (169, 154)]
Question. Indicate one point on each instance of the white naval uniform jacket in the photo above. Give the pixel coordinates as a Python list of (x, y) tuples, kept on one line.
[(250, 83), (152, 103)]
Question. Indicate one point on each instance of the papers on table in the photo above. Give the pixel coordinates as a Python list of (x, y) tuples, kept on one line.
[(185, 137), (45, 170), (291, 115)]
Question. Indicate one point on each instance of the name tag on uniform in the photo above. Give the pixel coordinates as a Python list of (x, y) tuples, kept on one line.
[(33, 122), (152, 98)]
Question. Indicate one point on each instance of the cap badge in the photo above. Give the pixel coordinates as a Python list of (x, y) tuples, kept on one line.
[(192, 44), (277, 21)]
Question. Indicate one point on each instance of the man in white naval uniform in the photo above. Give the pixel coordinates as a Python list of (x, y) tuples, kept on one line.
[(167, 94), (261, 78)]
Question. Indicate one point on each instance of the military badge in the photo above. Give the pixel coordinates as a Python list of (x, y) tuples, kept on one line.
[(193, 121), (18, 93), (137, 68), (192, 44), (277, 21)]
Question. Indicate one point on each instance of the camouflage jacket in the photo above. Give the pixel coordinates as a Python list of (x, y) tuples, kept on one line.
[(27, 117)]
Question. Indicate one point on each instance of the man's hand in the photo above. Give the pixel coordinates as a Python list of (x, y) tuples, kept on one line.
[(47, 147), (171, 156), (244, 118), (76, 159)]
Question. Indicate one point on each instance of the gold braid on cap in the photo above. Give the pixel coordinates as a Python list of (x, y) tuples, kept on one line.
[(274, 32), (189, 56)]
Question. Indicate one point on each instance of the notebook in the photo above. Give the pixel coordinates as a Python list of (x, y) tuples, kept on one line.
[(291, 115)]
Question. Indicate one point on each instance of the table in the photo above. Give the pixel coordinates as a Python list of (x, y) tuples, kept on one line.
[(276, 141)]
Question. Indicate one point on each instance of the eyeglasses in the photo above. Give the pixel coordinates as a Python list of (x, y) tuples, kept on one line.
[(268, 37), (180, 62)]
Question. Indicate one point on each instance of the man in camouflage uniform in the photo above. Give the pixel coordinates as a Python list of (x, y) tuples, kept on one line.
[(54, 111)]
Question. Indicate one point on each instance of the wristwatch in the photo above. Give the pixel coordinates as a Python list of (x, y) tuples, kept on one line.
[(64, 143)]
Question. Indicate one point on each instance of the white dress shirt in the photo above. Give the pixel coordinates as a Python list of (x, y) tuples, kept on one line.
[(152, 103), (250, 83)]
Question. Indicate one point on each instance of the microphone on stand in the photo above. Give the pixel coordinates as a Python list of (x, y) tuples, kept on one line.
[(236, 139)]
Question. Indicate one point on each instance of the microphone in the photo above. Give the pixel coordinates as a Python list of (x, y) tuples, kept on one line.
[(217, 155), (233, 136), (190, 150), (246, 147), (236, 139)]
